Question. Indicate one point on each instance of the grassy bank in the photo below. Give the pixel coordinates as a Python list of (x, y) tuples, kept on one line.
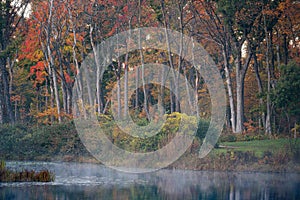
[(260, 147), (61, 142), (272, 155)]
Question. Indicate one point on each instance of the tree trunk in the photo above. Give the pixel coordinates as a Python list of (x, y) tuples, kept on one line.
[(89, 89), (177, 84), (241, 70), (229, 90), (51, 95), (54, 80), (285, 48), (173, 101), (162, 92), (119, 96), (1, 100), (239, 95), (125, 90), (55, 85), (172, 106), (239, 104), (69, 100), (196, 80), (137, 76), (143, 66), (63, 81), (126, 68), (268, 116), (8, 110), (278, 55), (11, 64), (272, 67), (196, 94), (99, 72), (260, 88)]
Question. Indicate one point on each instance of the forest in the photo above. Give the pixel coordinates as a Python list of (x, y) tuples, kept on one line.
[(254, 44)]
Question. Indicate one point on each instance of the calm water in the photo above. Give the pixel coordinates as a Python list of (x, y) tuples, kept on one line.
[(90, 181)]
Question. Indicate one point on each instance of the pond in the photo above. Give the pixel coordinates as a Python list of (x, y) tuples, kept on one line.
[(92, 181)]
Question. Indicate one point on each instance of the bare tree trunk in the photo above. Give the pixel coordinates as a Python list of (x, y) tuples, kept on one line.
[(171, 97), (5, 92), (46, 93), (239, 92), (278, 50), (260, 89), (88, 85), (63, 80), (1, 99), (180, 9), (285, 48), (126, 68), (161, 95), (268, 129), (16, 110), (51, 95), (50, 62), (98, 73), (11, 64), (125, 90), (196, 94), (241, 70), (137, 77), (229, 90), (119, 94), (272, 67), (239, 106), (54, 82), (170, 58), (55, 85), (69, 100), (187, 89), (78, 81), (143, 66), (196, 80)]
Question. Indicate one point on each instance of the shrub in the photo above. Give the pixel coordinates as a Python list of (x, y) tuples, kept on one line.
[(228, 138)]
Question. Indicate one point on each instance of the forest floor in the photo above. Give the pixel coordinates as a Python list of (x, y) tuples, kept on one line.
[(61, 143)]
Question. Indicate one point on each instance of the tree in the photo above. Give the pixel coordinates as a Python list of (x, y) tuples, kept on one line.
[(11, 16), (286, 95)]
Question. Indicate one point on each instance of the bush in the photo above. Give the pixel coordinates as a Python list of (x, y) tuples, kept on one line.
[(42, 143), (228, 138), (155, 142), (242, 137), (203, 126)]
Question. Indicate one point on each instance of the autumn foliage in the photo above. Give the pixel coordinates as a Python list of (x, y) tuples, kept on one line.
[(44, 51)]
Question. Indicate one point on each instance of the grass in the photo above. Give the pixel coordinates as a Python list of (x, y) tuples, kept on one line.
[(259, 147), (24, 176)]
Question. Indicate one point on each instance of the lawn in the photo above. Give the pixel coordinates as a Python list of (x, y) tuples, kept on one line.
[(259, 146)]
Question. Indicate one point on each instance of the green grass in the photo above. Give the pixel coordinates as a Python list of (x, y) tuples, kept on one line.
[(258, 146)]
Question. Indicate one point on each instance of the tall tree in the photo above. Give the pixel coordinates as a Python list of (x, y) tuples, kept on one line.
[(11, 15)]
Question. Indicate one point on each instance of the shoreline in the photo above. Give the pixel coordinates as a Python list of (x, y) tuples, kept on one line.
[(181, 164), (61, 143)]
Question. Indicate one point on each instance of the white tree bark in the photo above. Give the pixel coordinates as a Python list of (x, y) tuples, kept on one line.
[(229, 90)]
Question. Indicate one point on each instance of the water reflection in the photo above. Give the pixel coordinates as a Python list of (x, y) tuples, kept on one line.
[(90, 181)]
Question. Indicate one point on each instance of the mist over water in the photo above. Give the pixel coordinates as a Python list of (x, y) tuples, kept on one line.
[(92, 181)]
